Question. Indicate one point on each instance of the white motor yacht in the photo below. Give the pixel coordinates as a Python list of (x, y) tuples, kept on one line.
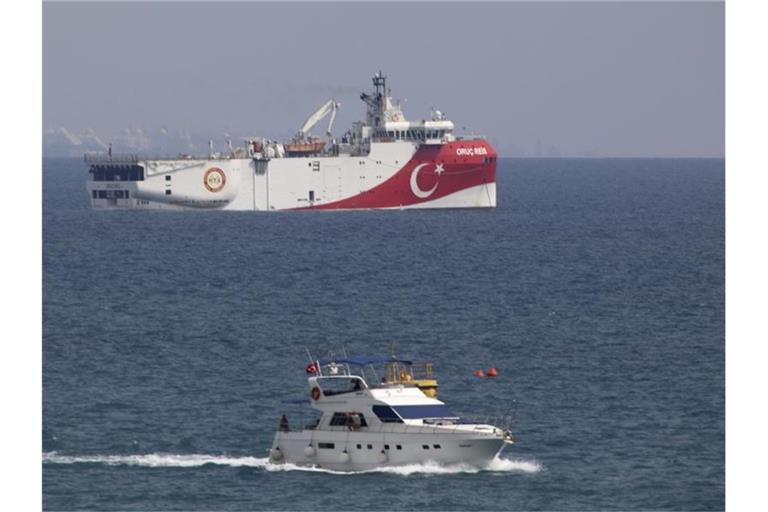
[(396, 421)]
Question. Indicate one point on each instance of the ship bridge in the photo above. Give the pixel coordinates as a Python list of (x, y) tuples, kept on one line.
[(385, 121), (378, 372), (391, 390)]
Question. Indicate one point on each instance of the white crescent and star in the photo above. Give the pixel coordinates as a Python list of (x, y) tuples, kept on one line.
[(423, 194)]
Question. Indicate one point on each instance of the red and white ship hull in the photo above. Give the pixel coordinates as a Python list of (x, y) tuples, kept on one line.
[(401, 175), (385, 162)]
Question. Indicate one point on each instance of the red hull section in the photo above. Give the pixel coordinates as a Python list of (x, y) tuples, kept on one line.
[(433, 172)]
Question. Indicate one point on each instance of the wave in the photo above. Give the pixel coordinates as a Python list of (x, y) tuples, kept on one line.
[(170, 460), (156, 460), (497, 465)]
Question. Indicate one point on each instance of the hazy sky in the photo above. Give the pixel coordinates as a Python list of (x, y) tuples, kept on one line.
[(617, 79)]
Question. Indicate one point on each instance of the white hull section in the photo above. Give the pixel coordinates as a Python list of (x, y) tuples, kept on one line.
[(369, 450), (251, 185)]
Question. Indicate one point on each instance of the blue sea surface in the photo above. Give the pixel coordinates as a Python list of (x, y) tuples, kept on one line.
[(170, 341)]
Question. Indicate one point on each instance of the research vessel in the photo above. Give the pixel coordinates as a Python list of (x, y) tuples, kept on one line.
[(383, 162), (392, 417)]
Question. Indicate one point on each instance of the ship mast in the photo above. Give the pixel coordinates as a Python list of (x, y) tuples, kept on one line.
[(380, 84), (377, 104)]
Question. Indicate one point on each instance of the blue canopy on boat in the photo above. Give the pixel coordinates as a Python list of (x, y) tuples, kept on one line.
[(364, 360)]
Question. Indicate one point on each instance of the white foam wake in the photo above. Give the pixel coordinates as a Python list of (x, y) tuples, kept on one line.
[(170, 460), (156, 460), (497, 465)]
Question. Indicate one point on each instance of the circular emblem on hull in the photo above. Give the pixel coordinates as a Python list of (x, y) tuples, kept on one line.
[(214, 179)]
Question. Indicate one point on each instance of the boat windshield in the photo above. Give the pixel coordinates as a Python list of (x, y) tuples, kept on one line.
[(412, 412), (341, 384)]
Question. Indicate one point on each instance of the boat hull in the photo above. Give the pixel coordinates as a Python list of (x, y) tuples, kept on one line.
[(372, 450), (398, 175)]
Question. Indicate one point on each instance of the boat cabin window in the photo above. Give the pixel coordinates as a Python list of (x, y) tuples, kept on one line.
[(348, 419), (409, 412), (326, 446), (386, 414), (111, 194), (117, 172), (337, 386)]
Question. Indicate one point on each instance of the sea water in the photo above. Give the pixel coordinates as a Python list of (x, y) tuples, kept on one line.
[(172, 340)]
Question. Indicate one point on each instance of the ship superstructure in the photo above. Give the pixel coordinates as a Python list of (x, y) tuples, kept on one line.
[(383, 162)]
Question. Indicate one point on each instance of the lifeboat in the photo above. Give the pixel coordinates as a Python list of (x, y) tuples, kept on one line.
[(304, 147)]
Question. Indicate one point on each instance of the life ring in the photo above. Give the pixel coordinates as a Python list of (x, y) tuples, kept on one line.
[(315, 393)]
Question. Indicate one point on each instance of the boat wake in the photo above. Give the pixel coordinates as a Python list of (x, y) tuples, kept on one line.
[(497, 465), (170, 460)]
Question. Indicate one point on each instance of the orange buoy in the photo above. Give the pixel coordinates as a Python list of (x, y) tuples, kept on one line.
[(479, 373), (492, 372)]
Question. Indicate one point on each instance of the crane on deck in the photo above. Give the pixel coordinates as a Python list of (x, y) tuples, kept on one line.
[(330, 107), (303, 143)]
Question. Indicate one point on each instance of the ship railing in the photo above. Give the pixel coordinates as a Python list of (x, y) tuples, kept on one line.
[(100, 158), (421, 371), (470, 137), (503, 422), (452, 425), (133, 158)]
